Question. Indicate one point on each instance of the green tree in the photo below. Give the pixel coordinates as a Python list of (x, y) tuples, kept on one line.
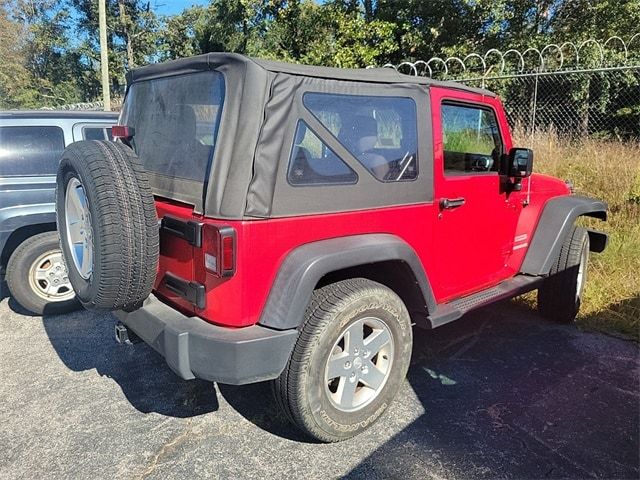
[(352, 41), (177, 34), (132, 35), (42, 68), (15, 82)]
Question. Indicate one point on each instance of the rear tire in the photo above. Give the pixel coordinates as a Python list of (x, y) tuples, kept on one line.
[(350, 360), (37, 277), (560, 295), (108, 225)]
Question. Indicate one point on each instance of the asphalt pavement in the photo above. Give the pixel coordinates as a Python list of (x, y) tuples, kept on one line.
[(498, 394)]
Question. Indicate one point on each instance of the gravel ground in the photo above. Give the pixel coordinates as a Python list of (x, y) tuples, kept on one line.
[(499, 394)]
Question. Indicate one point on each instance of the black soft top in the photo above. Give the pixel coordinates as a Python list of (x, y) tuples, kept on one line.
[(211, 61), (263, 103)]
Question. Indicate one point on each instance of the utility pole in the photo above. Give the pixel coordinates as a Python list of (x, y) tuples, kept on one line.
[(104, 57)]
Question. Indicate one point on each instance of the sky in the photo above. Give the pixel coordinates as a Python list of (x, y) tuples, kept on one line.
[(171, 7)]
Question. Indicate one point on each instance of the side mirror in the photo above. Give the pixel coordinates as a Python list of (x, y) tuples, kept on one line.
[(519, 163)]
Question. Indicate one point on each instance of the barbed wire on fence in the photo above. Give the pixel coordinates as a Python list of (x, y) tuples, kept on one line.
[(116, 104), (77, 106), (553, 57), (574, 88)]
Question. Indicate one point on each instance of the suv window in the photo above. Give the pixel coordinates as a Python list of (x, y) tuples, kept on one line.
[(312, 162), (381, 132), (175, 120), (30, 150), (471, 139), (96, 133)]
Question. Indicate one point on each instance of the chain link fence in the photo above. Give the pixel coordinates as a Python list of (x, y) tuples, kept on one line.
[(600, 102), (577, 89)]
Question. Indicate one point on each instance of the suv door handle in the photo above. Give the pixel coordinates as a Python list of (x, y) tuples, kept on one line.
[(449, 203)]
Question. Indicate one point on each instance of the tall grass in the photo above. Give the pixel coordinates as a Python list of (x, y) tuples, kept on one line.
[(609, 170)]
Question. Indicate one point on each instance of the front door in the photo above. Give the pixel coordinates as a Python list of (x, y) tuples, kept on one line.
[(476, 222)]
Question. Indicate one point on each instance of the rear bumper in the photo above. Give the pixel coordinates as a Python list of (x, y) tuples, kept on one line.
[(194, 348)]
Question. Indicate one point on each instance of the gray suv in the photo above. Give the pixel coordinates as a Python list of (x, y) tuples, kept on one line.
[(31, 143)]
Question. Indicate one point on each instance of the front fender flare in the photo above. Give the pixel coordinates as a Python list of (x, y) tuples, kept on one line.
[(557, 219), (303, 268)]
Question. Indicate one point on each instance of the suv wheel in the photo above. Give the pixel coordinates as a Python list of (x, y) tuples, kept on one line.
[(350, 359), (560, 295), (108, 225), (37, 276)]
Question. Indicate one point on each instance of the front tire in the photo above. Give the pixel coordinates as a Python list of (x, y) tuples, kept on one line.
[(37, 276), (560, 295), (350, 360)]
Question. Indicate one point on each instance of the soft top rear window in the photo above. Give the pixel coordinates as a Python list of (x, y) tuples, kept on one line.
[(176, 120)]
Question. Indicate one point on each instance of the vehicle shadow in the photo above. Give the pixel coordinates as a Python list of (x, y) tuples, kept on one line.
[(508, 395), (4, 290), (85, 340), (504, 394), (264, 414)]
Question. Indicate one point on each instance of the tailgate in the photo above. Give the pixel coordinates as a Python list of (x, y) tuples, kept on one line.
[(176, 267)]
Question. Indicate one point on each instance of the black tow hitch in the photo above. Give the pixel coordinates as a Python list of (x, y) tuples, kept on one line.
[(125, 336)]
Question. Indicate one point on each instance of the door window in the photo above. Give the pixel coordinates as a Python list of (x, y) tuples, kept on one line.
[(471, 139)]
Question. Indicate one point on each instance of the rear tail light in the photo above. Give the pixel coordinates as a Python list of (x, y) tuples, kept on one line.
[(219, 250), (122, 131)]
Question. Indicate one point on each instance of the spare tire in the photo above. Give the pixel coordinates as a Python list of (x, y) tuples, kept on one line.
[(108, 225)]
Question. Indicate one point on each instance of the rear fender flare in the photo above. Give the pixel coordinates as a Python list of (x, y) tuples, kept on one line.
[(557, 219), (18, 223), (303, 268)]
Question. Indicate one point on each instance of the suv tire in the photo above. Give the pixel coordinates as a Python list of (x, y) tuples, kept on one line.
[(560, 295), (340, 322), (105, 208), (37, 277)]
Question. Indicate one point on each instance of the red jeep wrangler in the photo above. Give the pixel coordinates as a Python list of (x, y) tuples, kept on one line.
[(264, 221)]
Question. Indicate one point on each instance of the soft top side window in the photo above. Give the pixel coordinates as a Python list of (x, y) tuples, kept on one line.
[(312, 162), (380, 132), (471, 139)]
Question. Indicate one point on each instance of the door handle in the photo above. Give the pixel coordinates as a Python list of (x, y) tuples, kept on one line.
[(449, 203)]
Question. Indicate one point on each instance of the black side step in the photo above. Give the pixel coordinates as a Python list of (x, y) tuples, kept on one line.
[(448, 312)]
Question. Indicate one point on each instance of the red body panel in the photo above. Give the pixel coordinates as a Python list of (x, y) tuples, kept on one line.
[(463, 250)]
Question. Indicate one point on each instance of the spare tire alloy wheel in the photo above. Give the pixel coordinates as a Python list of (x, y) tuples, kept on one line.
[(108, 225), (78, 227)]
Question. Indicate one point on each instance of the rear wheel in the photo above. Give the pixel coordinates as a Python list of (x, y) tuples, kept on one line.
[(351, 358), (37, 276), (560, 295), (108, 225)]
